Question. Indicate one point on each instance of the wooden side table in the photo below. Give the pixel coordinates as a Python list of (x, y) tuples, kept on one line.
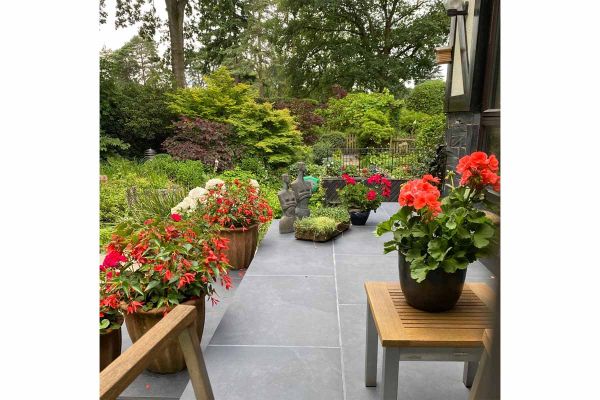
[(408, 334)]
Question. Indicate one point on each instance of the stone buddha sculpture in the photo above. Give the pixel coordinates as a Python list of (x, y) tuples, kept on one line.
[(302, 191), (287, 200)]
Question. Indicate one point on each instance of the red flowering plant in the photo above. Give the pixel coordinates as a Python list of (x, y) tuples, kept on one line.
[(161, 263), (361, 196), (450, 232), (111, 316), (234, 204)]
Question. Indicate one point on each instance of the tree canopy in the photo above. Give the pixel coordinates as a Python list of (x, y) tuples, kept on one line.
[(361, 44)]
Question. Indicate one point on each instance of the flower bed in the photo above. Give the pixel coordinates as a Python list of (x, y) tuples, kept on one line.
[(333, 183)]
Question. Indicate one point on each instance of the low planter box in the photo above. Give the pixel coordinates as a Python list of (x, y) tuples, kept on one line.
[(305, 235), (331, 184)]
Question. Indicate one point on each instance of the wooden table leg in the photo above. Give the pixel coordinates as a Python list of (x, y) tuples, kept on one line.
[(371, 351), (391, 361), (469, 372)]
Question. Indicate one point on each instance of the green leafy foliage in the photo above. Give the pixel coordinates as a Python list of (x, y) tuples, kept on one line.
[(264, 132), (339, 214), (361, 44), (428, 97), (316, 225), (370, 116), (452, 240), (162, 172), (133, 83)]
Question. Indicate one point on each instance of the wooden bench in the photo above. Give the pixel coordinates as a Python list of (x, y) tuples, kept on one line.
[(408, 334), (178, 323)]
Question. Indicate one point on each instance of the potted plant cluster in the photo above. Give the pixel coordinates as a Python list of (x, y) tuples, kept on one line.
[(437, 238), (236, 209), (161, 263), (325, 223), (360, 198)]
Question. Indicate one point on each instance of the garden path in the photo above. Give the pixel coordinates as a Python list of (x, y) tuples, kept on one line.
[(295, 326)]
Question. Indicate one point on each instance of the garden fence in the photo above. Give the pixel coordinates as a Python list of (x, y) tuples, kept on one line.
[(397, 159)]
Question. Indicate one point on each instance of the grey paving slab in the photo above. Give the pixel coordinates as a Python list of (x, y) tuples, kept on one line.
[(353, 270), (273, 373), (292, 257), (281, 310), (273, 232), (417, 380), (360, 240)]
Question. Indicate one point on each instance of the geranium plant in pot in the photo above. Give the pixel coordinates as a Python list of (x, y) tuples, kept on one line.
[(360, 198), (237, 209), (111, 316), (437, 238), (163, 263)]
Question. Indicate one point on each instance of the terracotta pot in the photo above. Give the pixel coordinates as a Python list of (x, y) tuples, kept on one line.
[(439, 291), (170, 359), (242, 245), (110, 346)]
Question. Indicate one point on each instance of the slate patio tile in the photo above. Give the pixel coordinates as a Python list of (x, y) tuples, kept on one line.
[(272, 373), (360, 240), (417, 380), (352, 271), (298, 257), (281, 310)]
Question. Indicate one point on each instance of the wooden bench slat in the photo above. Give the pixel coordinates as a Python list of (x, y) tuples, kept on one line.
[(115, 378), (399, 324)]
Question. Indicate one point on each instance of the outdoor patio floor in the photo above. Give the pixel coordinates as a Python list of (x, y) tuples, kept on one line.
[(293, 326)]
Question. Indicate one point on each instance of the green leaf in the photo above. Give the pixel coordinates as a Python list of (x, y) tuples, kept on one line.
[(187, 246), (481, 236), (451, 224), (413, 254), (137, 289), (104, 324), (450, 265), (160, 303), (438, 248), (152, 285)]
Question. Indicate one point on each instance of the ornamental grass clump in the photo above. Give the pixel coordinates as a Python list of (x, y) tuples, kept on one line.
[(161, 263), (358, 196), (450, 232), (317, 226)]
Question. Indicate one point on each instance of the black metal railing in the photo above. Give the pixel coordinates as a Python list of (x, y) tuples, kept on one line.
[(399, 160)]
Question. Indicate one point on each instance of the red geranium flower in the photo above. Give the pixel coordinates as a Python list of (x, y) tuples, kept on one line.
[(176, 217), (348, 179), (419, 193), (478, 171), (372, 195)]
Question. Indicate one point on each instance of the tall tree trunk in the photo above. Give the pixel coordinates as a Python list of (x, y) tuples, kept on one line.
[(175, 12)]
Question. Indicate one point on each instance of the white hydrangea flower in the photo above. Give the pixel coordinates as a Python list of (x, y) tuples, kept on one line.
[(212, 183), (196, 193), (254, 183)]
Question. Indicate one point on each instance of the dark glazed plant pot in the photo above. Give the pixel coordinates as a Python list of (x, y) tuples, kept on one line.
[(242, 245), (439, 291), (110, 346), (170, 359), (359, 218)]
